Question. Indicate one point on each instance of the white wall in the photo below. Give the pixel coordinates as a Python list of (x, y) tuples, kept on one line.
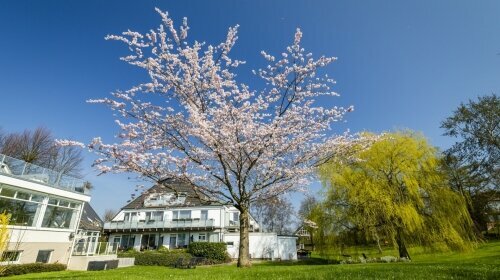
[(264, 246), (287, 247), (38, 235), (82, 262)]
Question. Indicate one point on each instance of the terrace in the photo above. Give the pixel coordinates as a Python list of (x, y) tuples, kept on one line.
[(20, 169), (178, 224)]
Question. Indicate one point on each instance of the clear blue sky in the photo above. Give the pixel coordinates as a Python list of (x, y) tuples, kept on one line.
[(402, 64)]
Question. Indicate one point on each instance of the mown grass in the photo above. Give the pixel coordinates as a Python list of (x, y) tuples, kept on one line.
[(483, 263)]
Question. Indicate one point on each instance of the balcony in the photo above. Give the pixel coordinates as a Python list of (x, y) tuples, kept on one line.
[(30, 172), (171, 225)]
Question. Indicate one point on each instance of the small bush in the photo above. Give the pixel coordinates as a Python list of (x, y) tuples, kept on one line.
[(160, 258), (17, 269), (214, 252)]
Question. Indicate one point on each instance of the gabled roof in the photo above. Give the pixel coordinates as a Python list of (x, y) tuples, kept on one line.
[(168, 187), (90, 220), (298, 231)]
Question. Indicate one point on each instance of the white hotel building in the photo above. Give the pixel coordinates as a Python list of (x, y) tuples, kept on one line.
[(170, 216)]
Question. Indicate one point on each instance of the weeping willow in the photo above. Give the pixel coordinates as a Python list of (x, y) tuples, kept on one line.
[(396, 189)]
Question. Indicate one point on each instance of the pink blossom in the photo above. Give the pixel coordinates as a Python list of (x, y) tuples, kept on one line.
[(192, 120)]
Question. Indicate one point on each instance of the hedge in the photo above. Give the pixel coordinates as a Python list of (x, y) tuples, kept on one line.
[(214, 252), (17, 269), (160, 258)]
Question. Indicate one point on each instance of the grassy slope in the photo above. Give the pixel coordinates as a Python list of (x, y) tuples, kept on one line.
[(483, 263)]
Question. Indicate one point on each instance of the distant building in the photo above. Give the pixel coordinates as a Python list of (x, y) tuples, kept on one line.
[(304, 241)]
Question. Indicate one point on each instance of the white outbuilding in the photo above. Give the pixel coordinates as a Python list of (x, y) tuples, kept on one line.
[(264, 245)]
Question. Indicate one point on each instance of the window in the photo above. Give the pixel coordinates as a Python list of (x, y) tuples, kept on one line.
[(11, 256), (181, 240), (230, 244), (116, 239), (53, 201), (185, 214), (8, 192), (235, 216), (60, 213), (182, 214), (158, 215), (58, 217), (23, 207), (36, 198), (204, 215), (148, 241), (130, 216), (43, 256), (127, 241), (23, 195), (202, 237), (154, 216), (63, 203)]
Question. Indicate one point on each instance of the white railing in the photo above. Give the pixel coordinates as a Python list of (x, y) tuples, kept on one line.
[(89, 248), (180, 223), (20, 169)]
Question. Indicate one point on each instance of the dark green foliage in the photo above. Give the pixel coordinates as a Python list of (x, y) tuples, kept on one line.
[(472, 163), (161, 258), (17, 269), (215, 252)]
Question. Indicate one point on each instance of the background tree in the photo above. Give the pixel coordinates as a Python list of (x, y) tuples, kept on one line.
[(396, 189), (39, 147), (109, 214), (194, 122), (473, 161), (274, 214), (306, 207)]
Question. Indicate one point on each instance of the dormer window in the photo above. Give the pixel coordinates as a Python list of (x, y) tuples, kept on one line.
[(164, 199)]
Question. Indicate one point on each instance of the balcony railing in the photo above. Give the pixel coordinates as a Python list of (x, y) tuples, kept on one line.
[(26, 171), (89, 248), (170, 224), (235, 224)]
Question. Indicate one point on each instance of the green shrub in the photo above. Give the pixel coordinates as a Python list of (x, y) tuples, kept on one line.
[(160, 258), (214, 252), (17, 269)]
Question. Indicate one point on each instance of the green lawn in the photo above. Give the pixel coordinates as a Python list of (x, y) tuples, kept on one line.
[(484, 263)]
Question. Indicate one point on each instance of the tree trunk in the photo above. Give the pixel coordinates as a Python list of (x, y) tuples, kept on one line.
[(244, 249), (403, 252), (378, 242)]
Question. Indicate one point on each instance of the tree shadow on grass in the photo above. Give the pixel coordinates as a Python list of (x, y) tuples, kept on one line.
[(309, 261)]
